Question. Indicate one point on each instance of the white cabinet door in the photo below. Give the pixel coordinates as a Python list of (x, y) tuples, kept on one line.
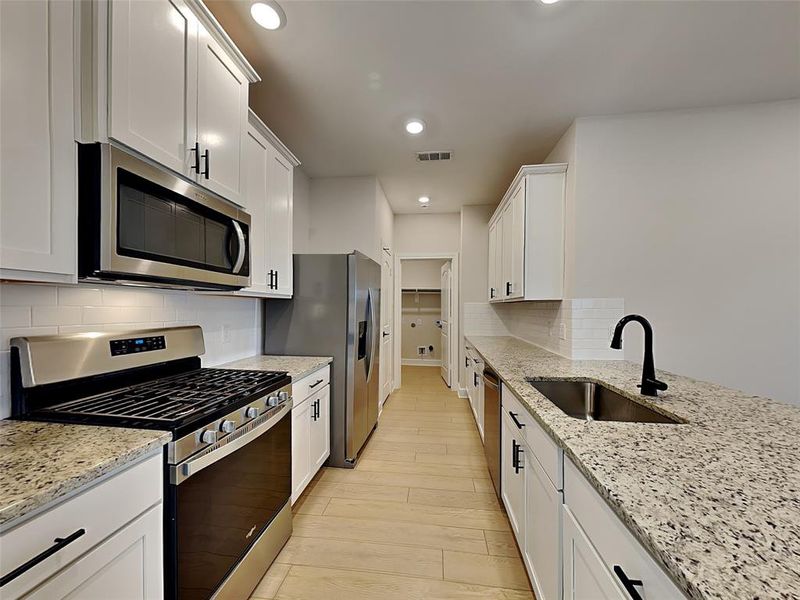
[(517, 244), (301, 457), (512, 478), (128, 565), (38, 187), (585, 575), (542, 540), (152, 97), (320, 435), (221, 119), (279, 241), (255, 202)]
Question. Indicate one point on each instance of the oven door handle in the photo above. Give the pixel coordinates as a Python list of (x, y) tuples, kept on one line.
[(182, 472), (242, 248)]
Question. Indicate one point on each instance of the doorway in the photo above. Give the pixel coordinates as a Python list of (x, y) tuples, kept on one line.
[(426, 315)]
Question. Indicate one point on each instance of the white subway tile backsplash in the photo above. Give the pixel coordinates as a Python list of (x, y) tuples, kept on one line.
[(79, 296), (131, 297), (115, 314), (56, 315), (15, 316), (18, 294)]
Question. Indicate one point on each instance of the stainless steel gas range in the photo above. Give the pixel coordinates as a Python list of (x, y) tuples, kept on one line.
[(227, 470)]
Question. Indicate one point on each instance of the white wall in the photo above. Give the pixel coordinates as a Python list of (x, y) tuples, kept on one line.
[(431, 233), (693, 217), (384, 220), (48, 310), (342, 215), (422, 273), (301, 212)]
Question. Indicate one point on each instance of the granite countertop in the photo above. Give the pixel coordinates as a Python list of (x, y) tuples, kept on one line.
[(716, 500), (42, 462), (297, 366)]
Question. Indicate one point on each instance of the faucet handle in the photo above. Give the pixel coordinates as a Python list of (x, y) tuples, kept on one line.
[(654, 384)]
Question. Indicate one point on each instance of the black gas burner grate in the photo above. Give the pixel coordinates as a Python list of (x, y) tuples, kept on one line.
[(173, 398)]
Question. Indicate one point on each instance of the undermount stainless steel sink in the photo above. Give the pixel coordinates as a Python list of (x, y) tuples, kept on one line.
[(591, 401)]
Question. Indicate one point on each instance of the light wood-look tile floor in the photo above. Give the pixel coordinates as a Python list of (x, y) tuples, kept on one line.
[(417, 519)]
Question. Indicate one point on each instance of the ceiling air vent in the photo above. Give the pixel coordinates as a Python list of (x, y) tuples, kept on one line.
[(433, 155)]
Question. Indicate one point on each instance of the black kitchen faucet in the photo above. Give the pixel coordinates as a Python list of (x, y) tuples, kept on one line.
[(650, 385)]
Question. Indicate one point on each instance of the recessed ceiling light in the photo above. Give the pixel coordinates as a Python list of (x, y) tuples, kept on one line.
[(415, 126), (268, 14), (424, 200), (548, 1)]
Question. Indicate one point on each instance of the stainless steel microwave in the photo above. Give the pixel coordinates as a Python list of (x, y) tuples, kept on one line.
[(139, 223)]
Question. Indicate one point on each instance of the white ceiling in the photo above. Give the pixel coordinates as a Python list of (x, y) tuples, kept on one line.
[(496, 82)]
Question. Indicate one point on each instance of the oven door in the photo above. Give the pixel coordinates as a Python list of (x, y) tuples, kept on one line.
[(139, 222), (220, 503)]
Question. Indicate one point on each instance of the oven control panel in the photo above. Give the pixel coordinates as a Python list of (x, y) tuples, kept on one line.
[(136, 345)]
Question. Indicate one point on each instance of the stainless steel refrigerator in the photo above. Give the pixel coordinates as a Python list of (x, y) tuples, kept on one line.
[(335, 311)]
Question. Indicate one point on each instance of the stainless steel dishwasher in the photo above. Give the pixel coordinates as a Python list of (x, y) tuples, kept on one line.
[(491, 425)]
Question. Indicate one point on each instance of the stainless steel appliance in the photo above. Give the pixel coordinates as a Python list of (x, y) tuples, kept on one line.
[(491, 425), (335, 312), (138, 222), (228, 469)]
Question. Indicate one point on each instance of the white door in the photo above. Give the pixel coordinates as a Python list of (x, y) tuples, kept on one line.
[(153, 106), (387, 314), (279, 242), (221, 119), (542, 517), (585, 575), (446, 316), (127, 566), (320, 434), (38, 188), (255, 201)]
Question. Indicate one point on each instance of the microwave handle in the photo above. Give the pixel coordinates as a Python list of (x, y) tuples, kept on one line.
[(242, 252)]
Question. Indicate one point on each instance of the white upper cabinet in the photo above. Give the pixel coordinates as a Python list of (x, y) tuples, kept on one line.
[(221, 119), (38, 184), (154, 47), (268, 199), (163, 78), (526, 237)]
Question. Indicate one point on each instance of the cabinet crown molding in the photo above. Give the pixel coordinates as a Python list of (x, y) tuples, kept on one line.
[(524, 171), (209, 21), (261, 127)]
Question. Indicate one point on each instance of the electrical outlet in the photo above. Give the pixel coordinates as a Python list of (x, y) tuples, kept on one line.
[(421, 350), (226, 334), (562, 331)]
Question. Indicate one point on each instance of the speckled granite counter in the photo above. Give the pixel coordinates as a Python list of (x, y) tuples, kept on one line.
[(297, 366), (41, 462), (716, 500)]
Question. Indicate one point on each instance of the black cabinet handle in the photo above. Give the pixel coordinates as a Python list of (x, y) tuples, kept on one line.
[(466, 362), (315, 384), (491, 292), (513, 416), (517, 463), (276, 279), (206, 169), (475, 379), (508, 288), (629, 584), (58, 544), (514, 456), (384, 334), (196, 151)]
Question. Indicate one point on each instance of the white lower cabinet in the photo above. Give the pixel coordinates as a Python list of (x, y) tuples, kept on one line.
[(128, 565), (585, 575), (311, 431), (111, 542), (572, 543)]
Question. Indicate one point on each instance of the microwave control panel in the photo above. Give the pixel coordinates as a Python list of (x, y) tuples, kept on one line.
[(136, 345)]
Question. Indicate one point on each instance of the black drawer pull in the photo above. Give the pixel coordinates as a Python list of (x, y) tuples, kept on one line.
[(196, 150), (58, 544), (513, 416), (508, 288), (206, 169), (315, 384), (475, 379), (629, 584)]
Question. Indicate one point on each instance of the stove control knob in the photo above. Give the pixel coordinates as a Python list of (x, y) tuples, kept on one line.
[(272, 401), (208, 437), (284, 396), (227, 427), (251, 412)]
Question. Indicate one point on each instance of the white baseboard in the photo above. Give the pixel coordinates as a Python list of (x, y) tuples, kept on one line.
[(421, 362), (462, 393)]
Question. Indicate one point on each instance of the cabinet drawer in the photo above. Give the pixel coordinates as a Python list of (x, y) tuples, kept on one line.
[(310, 384), (612, 540), (99, 511), (546, 451)]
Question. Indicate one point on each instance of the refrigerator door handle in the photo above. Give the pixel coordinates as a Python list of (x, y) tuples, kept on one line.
[(371, 333)]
